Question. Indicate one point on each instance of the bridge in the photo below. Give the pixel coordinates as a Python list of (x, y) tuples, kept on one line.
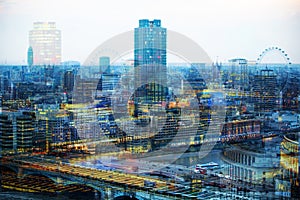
[(32, 175)]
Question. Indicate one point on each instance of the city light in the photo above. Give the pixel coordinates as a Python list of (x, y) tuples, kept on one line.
[(129, 123)]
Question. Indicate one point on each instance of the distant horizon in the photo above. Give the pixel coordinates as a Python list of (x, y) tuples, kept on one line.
[(224, 29), (168, 63)]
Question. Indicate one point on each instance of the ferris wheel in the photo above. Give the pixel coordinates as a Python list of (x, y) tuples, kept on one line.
[(285, 72), (270, 49)]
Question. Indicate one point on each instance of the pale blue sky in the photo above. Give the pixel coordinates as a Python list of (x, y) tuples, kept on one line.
[(224, 28)]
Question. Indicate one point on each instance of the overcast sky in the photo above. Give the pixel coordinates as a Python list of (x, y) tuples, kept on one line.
[(225, 29)]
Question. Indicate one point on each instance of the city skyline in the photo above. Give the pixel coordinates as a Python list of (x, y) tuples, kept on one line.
[(225, 29), (142, 130)]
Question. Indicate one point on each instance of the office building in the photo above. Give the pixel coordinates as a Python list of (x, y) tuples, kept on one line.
[(30, 57), (84, 89), (239, 74), (266, 93), (69, 81), (107, 83), (290, 93), (104, 62), (6, 134), (5, 86), (150, 57), (25, 132), (150, 42), (45, 41)]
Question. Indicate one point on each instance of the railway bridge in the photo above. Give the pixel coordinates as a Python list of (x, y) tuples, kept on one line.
[(55, 177)]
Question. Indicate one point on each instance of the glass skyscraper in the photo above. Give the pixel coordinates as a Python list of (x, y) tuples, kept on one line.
[(45, 41), (150, 43), (150, 58)]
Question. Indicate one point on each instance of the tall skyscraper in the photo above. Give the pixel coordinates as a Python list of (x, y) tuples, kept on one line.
[(30, 56), (150, 43), (150, 60), (45, 41)]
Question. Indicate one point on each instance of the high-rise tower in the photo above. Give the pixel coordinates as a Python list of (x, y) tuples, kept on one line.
[(150, 43), (45, 41), (30, 56), (150, 60)]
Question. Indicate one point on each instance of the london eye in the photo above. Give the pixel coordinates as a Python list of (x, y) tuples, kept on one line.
[(271, 49)]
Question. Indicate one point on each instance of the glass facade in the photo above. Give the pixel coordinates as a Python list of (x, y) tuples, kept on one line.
[(45, 41), (150, 55), (150, 43)]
